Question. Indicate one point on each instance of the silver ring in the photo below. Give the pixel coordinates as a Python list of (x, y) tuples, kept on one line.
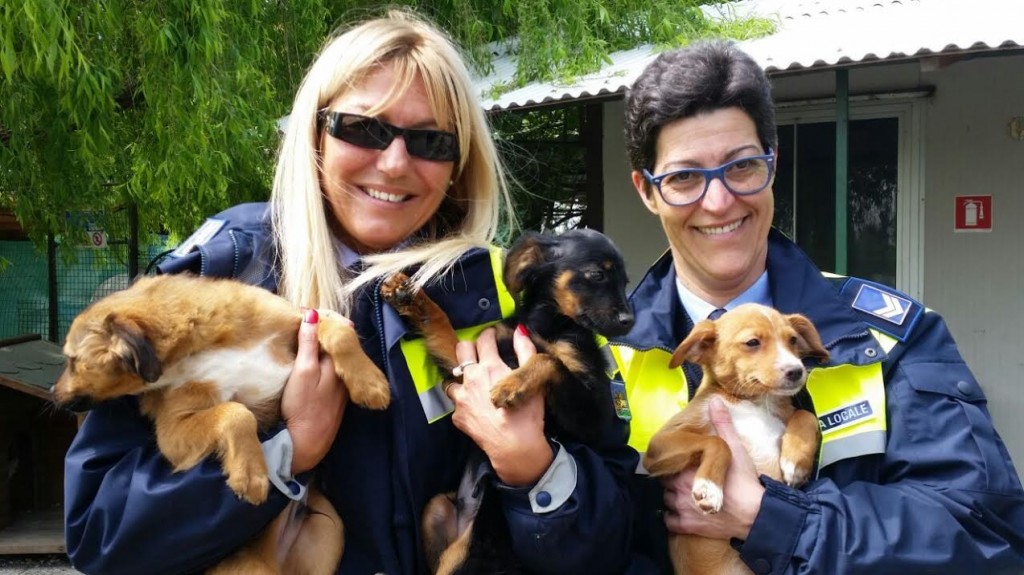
[(457, 371)]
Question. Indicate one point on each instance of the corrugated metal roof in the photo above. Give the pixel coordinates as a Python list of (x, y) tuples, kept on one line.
[(811, 34)]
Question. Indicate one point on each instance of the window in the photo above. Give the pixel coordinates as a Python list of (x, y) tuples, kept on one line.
[(883, 232)]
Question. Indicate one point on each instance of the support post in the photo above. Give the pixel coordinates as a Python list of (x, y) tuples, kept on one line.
[(842, 159)]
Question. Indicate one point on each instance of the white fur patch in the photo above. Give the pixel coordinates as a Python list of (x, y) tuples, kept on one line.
[(249, 375), (761, 432), (707, 496), (785, 361), (788, 470), (791, 475)]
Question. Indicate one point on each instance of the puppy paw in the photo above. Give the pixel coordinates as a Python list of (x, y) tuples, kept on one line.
[(508, 393), (398, 291), (366, 384), (793, 474), (368, 387), (439, 527), (707, 495), (249, 481)]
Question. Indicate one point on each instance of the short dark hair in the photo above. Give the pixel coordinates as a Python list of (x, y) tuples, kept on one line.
[(682, 83)]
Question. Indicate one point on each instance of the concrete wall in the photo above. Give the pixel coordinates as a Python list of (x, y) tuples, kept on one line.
[(976, 280)]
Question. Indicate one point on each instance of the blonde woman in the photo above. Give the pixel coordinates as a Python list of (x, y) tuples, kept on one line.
[(386, 164)]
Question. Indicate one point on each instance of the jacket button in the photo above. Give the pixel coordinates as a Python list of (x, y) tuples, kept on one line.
[(294, 487), (483, 303), (762, 566), (965, 387), (543, 498), (870, 352)]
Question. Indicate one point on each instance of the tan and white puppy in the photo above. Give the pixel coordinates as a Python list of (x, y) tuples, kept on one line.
[(209, 359), (751, 358)]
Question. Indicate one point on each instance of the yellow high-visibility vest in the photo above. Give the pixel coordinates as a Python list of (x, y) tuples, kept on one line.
[(849, 400)]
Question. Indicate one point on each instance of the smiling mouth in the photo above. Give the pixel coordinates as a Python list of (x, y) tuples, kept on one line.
[(386, 197), (718, 230)]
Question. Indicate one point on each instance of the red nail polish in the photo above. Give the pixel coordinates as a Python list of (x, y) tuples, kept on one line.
[(311, 316), (522, 330)]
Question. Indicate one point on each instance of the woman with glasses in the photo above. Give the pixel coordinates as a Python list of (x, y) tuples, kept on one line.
[(386, 164), (911, 477)]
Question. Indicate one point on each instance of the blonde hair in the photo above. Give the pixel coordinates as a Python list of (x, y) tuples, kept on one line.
[(310, 273)]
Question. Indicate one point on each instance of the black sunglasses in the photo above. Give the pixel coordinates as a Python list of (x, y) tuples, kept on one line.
[(375, 134)]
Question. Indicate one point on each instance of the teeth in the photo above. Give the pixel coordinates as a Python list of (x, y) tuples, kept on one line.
[(379, 195), (721, 229)]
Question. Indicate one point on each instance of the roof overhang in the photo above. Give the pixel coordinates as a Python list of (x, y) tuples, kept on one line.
[(812, 35)]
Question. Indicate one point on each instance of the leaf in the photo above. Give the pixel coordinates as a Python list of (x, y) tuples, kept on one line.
[(8, 62)]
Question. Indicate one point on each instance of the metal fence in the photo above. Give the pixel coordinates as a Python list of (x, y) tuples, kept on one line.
[(43, 289)]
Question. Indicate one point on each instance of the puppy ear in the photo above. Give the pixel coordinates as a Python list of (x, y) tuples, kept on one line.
[(522, 261), (131, 345), (810, 342), (696, 345)]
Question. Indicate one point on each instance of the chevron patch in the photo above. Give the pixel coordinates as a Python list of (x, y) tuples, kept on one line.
[(881, 304)]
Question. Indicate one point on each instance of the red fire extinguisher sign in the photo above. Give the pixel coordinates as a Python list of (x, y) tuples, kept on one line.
[(973, 214)]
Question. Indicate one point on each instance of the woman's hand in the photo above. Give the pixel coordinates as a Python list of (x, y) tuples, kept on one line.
[(742, 490), (513, 439), (313, 401)]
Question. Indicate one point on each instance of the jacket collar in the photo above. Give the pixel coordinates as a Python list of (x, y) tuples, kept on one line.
[(661, 321), (797, 286)]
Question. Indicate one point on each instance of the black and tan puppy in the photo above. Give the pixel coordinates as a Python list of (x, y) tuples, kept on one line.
[(209, 359), (569, 288), (751, 357)]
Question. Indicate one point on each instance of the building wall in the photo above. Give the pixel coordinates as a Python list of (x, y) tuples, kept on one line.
[(635, 230), (976, 280)]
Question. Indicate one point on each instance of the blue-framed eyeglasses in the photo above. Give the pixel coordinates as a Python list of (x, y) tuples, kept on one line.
[(742, 177)]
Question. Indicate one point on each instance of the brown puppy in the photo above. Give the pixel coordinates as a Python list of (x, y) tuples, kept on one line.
[(751, 358), (209, 359)]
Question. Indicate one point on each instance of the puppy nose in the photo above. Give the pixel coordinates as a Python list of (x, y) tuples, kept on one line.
[(78, 403), (795, 374), (626, 319)]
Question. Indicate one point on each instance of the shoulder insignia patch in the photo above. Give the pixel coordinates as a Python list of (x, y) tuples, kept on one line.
[(884, 308), (199, 237), (890, 307)]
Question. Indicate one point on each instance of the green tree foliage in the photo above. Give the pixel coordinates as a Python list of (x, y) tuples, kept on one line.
[(173, 105), (169, 104), (545, 156)]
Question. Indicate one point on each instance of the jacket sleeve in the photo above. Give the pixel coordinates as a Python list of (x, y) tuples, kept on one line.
[(590, 531), (944, 497), (126, 511)]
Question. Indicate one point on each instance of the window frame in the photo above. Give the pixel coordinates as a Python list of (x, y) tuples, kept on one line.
[(910, 196)]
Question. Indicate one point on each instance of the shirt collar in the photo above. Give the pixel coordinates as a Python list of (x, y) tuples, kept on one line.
[(699, 309), (351, 260), (347, 256)]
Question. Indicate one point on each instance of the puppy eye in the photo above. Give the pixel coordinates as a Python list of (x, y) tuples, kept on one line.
[(595, 276), (793, 341), (753, 343)]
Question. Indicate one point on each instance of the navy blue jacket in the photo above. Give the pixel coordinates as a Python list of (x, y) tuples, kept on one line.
[(944, 496), (126, 512)]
